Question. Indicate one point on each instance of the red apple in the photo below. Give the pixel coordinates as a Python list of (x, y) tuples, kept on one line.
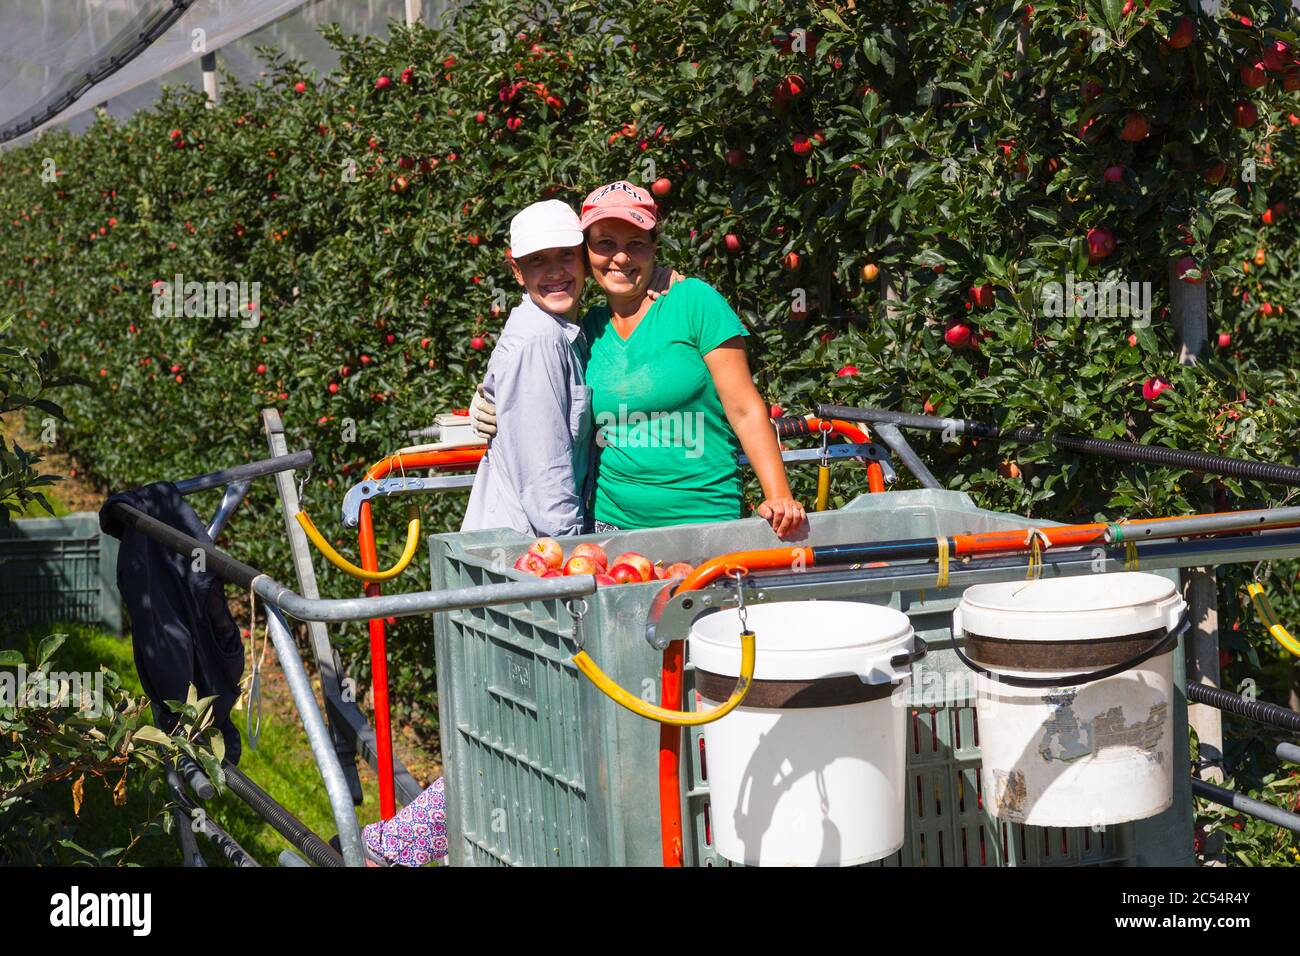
[(1252, 75), (1153, 388), (1216, 172), (552, 573), (1101, 243), (383, 83), (581, 564), (531, 563), (678, 569), (593, 551), (300, 87), (1275, 55), (801, 145), (1186, 265), (480, 117), (847, 371), (1291, 82), (1132, 340), (791, 88), (513, 123), (1244, 114), (1183, 34), (407, 76), (957, 335), (1136, 127), (1114, 174), (735, 157), (549, 550), (1091, 90), (604, 580), (625, 574), (982, 295), (732, 243), (790, 261), (1266, 309), (1225, 339), (477, 343), (638, 561)]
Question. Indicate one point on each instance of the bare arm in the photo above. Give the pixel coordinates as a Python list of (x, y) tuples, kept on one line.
[(748, 415)]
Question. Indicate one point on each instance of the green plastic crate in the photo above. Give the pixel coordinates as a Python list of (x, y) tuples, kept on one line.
[(58, 569), (543, 770)]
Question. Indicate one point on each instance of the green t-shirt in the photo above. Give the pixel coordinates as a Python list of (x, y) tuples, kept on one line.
[(667, 454)]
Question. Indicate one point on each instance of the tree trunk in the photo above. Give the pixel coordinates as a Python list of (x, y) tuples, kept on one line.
[(1189, 311)]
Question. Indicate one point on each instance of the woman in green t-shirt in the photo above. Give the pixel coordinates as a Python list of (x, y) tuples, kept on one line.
[(673, 400)]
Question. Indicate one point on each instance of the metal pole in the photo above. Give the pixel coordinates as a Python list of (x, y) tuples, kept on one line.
[(895, 442), (208, 63), (254, 469), (351, 609), (1200, 591), (327, 761), (1254, 520), (1247, 805), (422, 602), (1288, 752), (235, 492)]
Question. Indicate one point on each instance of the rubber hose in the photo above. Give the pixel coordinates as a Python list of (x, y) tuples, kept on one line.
[(1158, 455), (284, 822), (1258, 710)]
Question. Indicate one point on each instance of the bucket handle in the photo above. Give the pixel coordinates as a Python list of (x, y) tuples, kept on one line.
[(1162, 643), (901, 664)]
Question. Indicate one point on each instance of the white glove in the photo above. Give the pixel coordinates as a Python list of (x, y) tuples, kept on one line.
[(483, 415)]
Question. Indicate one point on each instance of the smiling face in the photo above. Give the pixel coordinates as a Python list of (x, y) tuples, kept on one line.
[(622, 258), (553, 278)]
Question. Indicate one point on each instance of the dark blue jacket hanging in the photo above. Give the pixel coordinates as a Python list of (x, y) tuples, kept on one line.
[(182, 631)]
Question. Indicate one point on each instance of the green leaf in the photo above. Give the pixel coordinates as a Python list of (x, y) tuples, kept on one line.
[(48, 648), (152, 735)]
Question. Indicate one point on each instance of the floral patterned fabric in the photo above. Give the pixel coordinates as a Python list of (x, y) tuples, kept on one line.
[(416, 835)]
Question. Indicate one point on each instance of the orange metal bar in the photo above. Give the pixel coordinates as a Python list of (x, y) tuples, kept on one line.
[(851, 432), (379, 673), (670, 748), (451, 458)]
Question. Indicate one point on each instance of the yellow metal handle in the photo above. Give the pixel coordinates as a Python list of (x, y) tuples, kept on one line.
[(343, 564), (823, 487), (678, 718), (1269, 619)]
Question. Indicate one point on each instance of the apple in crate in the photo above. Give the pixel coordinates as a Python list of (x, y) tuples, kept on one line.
[(581, 564), (552, 573), (625, 574), (593, 551), (549, 550), (604, 580), (531, 563), (678, 569), (638, 561)]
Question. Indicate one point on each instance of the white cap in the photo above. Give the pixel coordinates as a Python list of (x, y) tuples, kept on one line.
[(544, 225)]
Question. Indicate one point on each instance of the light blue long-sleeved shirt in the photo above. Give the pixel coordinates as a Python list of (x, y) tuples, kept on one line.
[(534, 476)]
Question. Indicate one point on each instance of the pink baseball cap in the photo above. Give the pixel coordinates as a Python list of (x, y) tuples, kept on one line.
[(620, 200)]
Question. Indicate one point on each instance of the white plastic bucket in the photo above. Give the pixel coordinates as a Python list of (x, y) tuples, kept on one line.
[(1094, 754), (811, 782)]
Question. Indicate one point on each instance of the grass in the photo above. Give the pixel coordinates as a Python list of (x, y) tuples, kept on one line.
[(282, 765)]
